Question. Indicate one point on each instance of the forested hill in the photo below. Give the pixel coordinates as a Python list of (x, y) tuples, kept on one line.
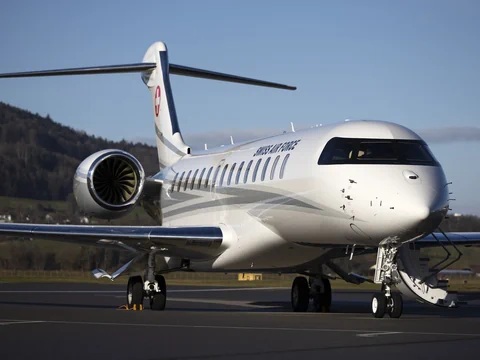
[(38, 156)]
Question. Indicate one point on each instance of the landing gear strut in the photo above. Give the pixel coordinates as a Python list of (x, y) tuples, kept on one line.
[(318, 288)]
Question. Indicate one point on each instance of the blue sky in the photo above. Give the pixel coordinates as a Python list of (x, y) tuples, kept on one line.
[(411, 62)]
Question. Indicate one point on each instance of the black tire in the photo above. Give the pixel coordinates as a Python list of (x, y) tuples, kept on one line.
[(379, 305), (323, 302), (300, 294), (396, 306), (162, 284), (158, 301), (135, 292)]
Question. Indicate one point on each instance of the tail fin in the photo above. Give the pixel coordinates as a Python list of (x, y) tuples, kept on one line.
[(155, 71), (170, 144)]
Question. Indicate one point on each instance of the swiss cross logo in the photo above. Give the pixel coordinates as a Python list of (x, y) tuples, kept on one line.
[(157, 101)]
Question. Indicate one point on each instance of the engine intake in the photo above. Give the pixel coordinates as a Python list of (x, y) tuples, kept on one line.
[(108, 184)]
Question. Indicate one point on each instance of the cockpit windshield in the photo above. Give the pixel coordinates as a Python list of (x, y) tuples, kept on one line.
[(376, 151)]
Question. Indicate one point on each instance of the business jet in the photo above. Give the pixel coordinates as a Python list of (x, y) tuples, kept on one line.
[(294, 203)]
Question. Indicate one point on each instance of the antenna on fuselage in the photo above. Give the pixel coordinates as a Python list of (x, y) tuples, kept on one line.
[(293, 128)]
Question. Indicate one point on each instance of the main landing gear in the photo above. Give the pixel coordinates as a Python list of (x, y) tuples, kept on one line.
[(154, 287), (317, 288), (156, 291)]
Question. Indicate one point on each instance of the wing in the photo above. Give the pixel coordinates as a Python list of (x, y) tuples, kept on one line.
[(189, 242), (458, 239)]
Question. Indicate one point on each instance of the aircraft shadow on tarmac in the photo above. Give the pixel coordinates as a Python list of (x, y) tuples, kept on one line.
[(339, 307), (356, 307)]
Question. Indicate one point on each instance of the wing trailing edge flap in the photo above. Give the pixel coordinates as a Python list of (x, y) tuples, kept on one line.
[(191, 242)]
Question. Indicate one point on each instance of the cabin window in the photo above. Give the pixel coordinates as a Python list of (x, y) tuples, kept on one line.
[(214, 180), (193, 179), (186, 181), (201, 177), (223, 174), (284, 163), (180, 181), (245, 178), (231, 173), (254, 177), (239, 172), (208, 177), (172, 189), (376, 151), (264, 171), (272, 173)]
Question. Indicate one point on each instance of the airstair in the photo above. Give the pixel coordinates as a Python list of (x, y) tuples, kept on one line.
[(416, 280)]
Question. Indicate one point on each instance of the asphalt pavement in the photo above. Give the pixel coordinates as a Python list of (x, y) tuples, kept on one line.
[(82, 321)]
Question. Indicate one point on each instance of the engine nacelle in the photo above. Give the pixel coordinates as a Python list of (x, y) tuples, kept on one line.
[(108, 184)]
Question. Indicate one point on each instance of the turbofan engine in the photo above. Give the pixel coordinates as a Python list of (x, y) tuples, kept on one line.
[(108, 184)]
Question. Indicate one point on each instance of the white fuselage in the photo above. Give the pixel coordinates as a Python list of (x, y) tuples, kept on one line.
[(295, 211)]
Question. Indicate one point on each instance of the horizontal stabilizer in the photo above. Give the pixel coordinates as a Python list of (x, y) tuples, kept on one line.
[(111, 69), (142, 67), (212, 75)]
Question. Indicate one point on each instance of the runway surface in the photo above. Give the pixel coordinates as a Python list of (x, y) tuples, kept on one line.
[(80, 321)]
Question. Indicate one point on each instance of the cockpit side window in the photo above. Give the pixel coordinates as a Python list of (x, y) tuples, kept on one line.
[(376, 151), (415, 151)]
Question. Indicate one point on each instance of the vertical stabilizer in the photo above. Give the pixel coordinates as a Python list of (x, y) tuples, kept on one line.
[(170, 144)]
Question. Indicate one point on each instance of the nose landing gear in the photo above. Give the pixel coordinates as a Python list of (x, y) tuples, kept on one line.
[(386, 273), (381, 304)]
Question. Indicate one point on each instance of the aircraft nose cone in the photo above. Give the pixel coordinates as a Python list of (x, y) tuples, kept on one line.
[(425, 218), (420, 213)]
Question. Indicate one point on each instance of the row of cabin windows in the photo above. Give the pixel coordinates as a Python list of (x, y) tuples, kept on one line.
[(237, 178)]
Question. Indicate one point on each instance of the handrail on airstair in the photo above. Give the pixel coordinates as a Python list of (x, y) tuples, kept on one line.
[(435, 270)]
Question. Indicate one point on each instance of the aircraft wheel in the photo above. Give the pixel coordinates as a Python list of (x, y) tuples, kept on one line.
[(323, 302), (135, 292), (396, 306), (379, 305), (158, 301), (300, 294)]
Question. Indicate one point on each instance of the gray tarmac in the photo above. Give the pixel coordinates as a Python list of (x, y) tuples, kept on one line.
[(81, 321)]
